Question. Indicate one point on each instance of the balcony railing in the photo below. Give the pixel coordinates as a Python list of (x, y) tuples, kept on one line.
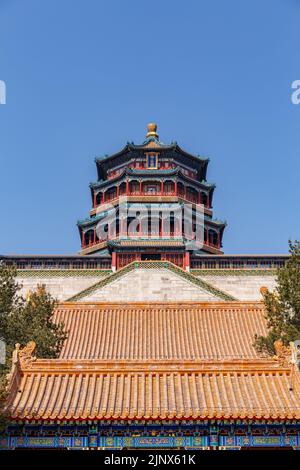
[(186, 197)]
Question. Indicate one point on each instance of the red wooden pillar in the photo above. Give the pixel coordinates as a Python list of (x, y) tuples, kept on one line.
[(187, 261), (140, 187), (113, 261), (83, 239), (175, 187), (94, 200), (127, 187), (185, 192), (95, 236), (162, 188)]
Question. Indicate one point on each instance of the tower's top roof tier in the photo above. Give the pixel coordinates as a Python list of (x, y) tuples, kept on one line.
[(152, 143)]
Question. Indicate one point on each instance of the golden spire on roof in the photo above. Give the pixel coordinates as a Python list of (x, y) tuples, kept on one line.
[(152, 127)]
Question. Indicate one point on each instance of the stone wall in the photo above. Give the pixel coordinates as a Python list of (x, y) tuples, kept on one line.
[(59, 287), (243, 287), (149, 285)]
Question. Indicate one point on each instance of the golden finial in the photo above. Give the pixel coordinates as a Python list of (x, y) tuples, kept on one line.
[(152, 127)]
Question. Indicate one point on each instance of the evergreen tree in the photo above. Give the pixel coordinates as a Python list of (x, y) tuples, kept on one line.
[(23, 320), (283, 305), (9, 299)]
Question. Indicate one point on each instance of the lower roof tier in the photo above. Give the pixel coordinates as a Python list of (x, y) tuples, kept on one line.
[(154, 395)]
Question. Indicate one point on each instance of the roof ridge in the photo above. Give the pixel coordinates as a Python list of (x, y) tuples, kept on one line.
[(214, 366), (159, 264)]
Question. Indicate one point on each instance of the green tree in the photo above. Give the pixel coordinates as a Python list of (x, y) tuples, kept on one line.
[(9, 300), (23, 320), (31, 320), (283, 305)]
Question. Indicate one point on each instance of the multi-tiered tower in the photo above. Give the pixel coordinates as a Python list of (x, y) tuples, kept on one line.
[(155, 357), (150, 174)]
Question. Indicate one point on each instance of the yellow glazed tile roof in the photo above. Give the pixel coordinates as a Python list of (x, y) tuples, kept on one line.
[(208, 395), (161, 331), (155, 361)]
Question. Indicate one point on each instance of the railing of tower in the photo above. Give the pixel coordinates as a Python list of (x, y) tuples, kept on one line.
[(49, 264), (184, 197), (234, 262), (201, 264), (171, 235)]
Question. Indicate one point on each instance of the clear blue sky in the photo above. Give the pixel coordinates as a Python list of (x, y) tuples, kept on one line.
[(85, 77)]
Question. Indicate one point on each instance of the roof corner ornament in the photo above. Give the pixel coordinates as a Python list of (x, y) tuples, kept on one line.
[(295, 353), (288, 356), (28, 296), (282, 353), (25, 355), (264, 291), (295, 362), (152, 128), (21, 359)]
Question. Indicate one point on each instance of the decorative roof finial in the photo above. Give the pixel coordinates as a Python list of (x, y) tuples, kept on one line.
[(152, 130)]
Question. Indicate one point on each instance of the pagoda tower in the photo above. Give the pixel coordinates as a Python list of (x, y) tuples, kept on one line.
[(157, 177)]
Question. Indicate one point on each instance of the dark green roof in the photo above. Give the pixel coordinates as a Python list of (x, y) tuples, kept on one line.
[(149, 173)]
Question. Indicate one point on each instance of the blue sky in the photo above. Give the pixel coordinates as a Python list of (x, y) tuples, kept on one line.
[(85, 77)]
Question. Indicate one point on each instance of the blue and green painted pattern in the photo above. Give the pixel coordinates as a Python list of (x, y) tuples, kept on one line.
[(234, 272), (214, 440), (45, 273)]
